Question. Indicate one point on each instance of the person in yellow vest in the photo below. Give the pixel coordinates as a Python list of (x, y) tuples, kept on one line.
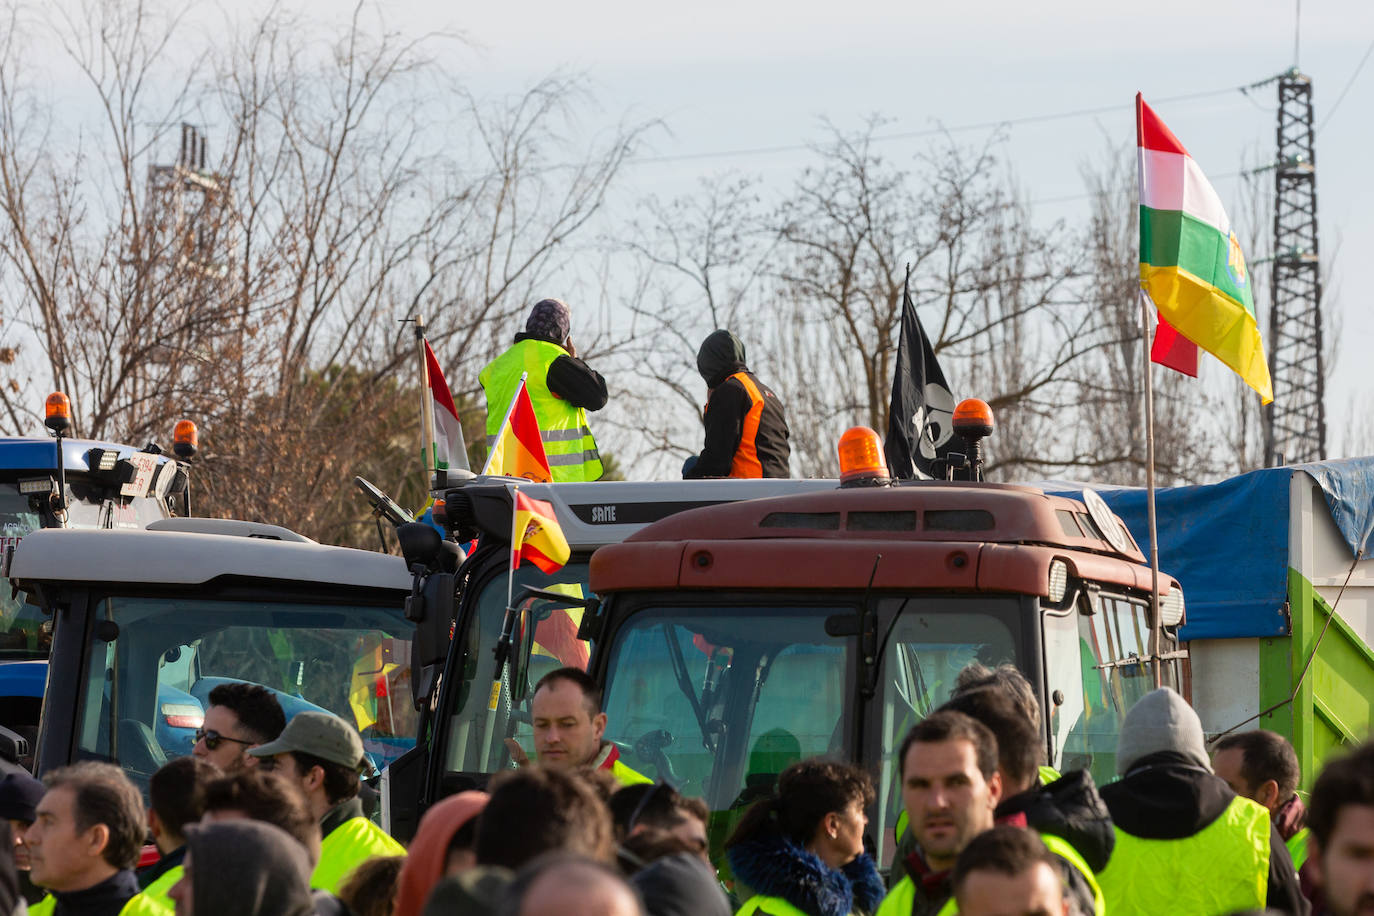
[(746, 429), (1341, 814), (950, 787), (1262, 766), (324, 755), (1008, 870), (801, 850), (1066, 813), (568, 722), (1185, 843), (176, 799), (562, 389), (84, 841)]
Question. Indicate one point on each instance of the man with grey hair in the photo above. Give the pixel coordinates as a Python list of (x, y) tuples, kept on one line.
[(1186, 843), (562, 389)]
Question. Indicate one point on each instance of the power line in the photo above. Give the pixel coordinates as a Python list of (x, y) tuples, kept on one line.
[(1350, 82), (936, 131)]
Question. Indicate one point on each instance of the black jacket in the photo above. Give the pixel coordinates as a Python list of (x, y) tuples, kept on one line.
[(104, 899), (572, 379), (726, 409), (1071, 809), (1164, 797), (776, 867)]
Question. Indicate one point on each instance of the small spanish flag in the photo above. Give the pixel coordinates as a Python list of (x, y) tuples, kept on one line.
[(518, 450), (536, 536)]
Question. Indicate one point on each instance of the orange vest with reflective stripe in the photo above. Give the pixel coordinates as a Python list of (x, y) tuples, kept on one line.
[(746, 461)]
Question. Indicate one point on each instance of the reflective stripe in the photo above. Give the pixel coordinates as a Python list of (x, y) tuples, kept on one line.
[(564, 435), (574, 458)]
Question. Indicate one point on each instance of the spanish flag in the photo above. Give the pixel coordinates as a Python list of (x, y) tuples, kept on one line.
[(535, 535), (518, 451)]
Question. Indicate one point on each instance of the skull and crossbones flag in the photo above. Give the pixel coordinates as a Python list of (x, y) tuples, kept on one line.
[(919, 425)]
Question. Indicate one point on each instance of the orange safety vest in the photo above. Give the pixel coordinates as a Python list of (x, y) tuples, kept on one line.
[(746, 461)]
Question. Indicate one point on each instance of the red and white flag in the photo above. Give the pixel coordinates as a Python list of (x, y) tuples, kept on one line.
[(449, 448)]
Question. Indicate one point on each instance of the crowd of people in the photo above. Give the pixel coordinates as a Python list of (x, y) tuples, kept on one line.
[(266, 818)]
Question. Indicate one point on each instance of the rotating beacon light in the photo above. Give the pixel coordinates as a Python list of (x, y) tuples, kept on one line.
[(861, 459), (973, 421), (57, 416), (185, 440)]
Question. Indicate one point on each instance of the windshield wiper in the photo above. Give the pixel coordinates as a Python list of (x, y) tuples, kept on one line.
[(684, 683)]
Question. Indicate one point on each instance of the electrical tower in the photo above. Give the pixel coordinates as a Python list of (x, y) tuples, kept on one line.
[(187, 202), (1295, 424)]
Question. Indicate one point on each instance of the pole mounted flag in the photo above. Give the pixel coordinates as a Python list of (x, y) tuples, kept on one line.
[(1191, 265), (920, 416), (449, 450), (518, 450), (536, 535)]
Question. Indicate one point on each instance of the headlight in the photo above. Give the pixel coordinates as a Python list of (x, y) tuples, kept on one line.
[(1059, 580), (1171, 608)]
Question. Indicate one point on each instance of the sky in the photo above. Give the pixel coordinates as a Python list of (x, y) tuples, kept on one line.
[(744, 86)]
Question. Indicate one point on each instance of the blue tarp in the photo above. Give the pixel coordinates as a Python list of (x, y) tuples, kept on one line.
[(1227, 542)]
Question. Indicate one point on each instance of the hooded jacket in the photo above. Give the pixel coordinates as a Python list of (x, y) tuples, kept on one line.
[(247, 868), (1168, 790), (774, 866), (680, 885), (720, 361), (428, 853)]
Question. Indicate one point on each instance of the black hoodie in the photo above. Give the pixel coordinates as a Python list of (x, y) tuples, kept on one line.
[(721, 356), (1165, 796), (247, 868)]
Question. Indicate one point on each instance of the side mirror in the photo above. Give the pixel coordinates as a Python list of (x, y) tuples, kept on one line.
[(429, 648)]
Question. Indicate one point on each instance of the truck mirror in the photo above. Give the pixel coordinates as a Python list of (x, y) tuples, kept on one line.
[(420, 543), (429, 646), (13, 746), (842, 625)]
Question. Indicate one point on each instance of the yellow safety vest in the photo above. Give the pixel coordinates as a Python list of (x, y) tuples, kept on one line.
[(44, 907), (568, 442), (769, 906), (154, 900), (627, 776), (347, 846), (900, 900), (1223, 868), (1297, 848)]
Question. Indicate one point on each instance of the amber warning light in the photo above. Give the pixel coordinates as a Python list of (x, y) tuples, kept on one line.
[(185, 439), (861, 458), (57, 412)]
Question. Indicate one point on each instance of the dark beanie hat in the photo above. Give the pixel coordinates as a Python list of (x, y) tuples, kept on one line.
[(19, 797), (549, 319)]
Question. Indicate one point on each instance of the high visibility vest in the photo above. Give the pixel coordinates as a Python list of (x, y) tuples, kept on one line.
[(347, 846), (1062, 848), (746, 461), (568, 442), (1223, 868), (44, 907), (1297, 848), (770, 906), (627, 776), (154, 900), (900, 900)]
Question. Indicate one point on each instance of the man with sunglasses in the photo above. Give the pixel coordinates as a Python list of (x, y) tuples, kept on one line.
[(323, 755), (240, 716)]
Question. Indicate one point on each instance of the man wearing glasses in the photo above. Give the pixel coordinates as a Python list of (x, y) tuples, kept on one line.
[(240, 716)]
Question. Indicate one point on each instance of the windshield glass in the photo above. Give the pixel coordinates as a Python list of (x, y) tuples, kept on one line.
[(149, 675), (474, 741), (22, 635), (720, 700)]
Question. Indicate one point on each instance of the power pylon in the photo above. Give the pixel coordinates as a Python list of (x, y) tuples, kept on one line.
[(1295, 424)]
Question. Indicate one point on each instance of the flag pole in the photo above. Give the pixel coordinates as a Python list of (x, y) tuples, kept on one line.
[(1156, 638), (428, 449), (486, 468)]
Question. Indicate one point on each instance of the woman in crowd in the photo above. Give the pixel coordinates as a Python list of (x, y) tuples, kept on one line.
[(801, 850)]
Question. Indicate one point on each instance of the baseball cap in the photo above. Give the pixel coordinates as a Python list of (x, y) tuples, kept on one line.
[(319, 734)]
